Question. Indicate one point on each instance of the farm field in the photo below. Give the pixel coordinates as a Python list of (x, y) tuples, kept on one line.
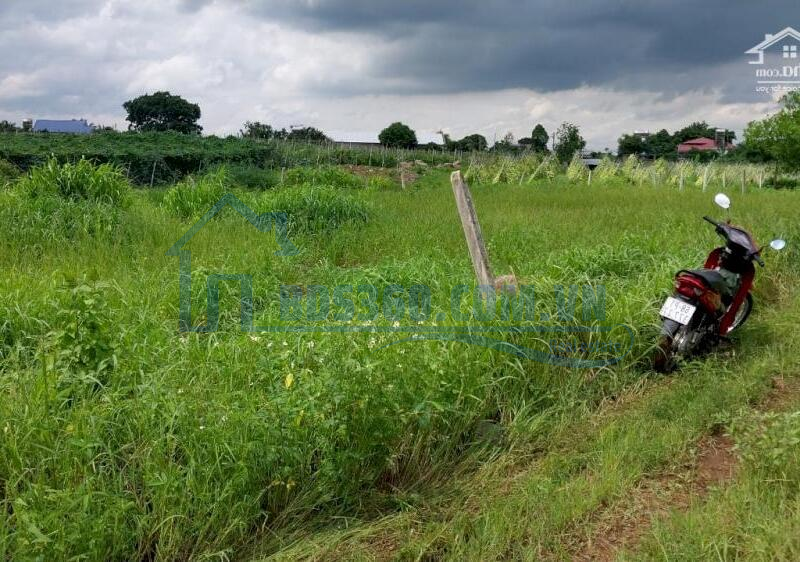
[(124, 438)]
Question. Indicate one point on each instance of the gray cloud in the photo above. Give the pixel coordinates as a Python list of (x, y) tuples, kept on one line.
[(351, 65), (546, 45)]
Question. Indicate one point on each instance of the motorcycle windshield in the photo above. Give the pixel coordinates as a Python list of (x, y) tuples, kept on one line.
[(740, 238)]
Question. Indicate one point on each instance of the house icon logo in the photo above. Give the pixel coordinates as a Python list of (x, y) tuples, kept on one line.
[(264, 223), (787, 39)]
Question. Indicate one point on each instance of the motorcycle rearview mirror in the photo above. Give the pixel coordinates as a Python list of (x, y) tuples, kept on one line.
[(722, 200), (777, 244)]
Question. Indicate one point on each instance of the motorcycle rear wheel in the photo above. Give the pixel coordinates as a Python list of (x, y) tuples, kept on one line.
[(664, 360)]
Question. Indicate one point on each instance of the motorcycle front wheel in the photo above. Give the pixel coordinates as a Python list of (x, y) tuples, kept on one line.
[(742, 313)]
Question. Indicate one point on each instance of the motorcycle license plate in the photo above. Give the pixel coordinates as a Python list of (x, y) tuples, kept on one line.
[(678, 310)]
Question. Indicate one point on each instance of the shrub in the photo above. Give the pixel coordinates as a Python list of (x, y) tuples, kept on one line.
[(577, 170), (85, 352), (8, 172), (252, 177), (381, 183), (83, 180), (193, 197), (326, 175), (314, 209), (607, 169)]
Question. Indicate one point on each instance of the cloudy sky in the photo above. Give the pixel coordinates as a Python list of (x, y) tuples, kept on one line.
[(350, 67)]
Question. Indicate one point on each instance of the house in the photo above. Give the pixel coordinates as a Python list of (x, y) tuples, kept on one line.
[(701, 144), (789, 38), (71, 126)]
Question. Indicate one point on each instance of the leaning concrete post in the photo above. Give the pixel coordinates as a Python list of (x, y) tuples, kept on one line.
[(472, 229)]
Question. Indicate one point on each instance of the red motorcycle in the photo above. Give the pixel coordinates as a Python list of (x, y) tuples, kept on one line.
[(710, 303)]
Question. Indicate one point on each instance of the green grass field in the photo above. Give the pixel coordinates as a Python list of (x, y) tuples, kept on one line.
[(121, 438)]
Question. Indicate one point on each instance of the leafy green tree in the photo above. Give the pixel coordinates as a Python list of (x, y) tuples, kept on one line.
[(473, 143), (568, 142), (660, 145), (162, 111), (539, 138), (398, 135), (7, 127), (778, 135), (307, 134), (257, 130), (630, 144), (697, 130)]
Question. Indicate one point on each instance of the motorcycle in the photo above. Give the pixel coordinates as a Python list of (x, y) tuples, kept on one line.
[(710, 303)]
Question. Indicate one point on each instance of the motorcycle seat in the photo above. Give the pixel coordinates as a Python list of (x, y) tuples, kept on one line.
[(711, 277)]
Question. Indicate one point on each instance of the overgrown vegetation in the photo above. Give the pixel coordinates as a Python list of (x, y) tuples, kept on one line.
[(121, 438), (195, 195)]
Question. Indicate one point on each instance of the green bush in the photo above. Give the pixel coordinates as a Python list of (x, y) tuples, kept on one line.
[(8, 172), (193, 197), (83, 347), (253, 177), (381, 183), (82, 180), (326, 175), (314, 209)]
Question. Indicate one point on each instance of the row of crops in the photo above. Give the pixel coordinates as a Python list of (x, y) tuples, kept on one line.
[(682, 174)]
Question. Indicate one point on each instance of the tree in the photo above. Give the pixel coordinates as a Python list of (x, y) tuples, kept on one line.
[(307, 134), (472, 143), (539, 138), (257, 130), (7, 127), (162, 111), (778, 136), (660, 145), (568, 142), (506, 144), (398, 135), (631, 144), (697, 130)]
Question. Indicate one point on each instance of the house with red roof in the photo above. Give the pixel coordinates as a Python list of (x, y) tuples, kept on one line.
[(702, 144)]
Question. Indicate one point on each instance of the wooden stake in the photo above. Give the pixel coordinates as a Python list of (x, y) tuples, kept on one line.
[(472, 229)]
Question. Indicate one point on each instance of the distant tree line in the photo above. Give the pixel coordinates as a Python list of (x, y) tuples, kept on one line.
[(261, 131), (776, 138)]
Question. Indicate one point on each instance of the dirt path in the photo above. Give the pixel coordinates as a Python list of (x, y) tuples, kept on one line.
[(712, 463)]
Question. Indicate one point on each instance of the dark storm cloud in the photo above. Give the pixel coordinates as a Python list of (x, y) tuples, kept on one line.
[(444, 46)]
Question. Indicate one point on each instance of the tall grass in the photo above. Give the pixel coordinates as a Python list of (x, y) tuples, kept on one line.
[(121, 438), (83, 180), (194, 196)]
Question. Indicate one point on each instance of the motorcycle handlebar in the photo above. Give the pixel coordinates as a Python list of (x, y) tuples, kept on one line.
[(758, 259), (712, 221)]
